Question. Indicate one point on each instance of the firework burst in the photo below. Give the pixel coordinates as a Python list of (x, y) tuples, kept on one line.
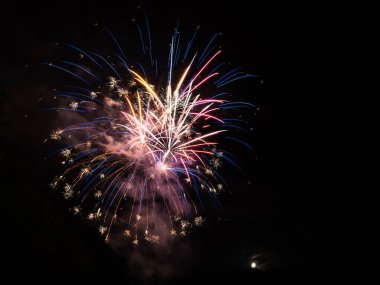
[(133, 151)]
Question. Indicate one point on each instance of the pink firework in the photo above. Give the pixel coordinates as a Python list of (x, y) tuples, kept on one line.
[(140, 157)]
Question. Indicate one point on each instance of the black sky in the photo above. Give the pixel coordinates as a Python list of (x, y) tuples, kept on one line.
[(293, 207)]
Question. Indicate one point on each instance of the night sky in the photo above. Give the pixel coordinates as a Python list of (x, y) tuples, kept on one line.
[(291, 211)]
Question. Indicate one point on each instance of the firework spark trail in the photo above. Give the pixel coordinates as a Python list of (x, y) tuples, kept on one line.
[(136, 150)]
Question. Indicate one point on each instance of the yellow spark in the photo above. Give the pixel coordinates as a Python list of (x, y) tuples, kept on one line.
[(56, 135), (93, 94), (102, 230), (198, 221), (66, 153), (76, 210), (68, 191), (74, 106)]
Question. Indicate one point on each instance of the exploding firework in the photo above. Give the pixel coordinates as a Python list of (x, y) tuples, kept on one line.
[(135, 153)]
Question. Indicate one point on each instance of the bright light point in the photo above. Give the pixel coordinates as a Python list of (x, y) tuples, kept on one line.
[(162, 166), (253, 265)]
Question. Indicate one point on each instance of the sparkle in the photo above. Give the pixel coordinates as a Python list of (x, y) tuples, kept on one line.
[(112, 83), (54, 184), (184, 224), (212, 189), (209, 172), (74, 106), (56, 135), (177, 218), (216, 162), (66, 153), (155, 238), (122, 92), (76, 210), (102, 230), (85, 171), (198, 221), (132, 83), (68, 191), (93, 94)]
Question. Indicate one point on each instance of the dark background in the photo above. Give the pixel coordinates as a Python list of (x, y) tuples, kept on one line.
[(296, 207)]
